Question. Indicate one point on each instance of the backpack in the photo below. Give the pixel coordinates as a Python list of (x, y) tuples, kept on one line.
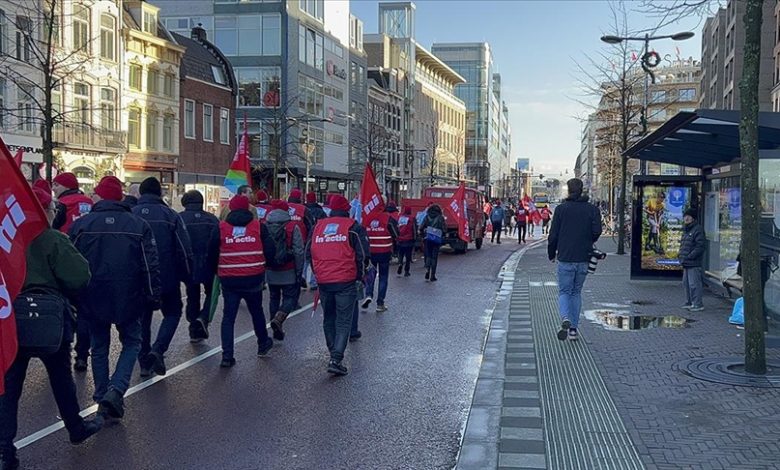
[(283, 254)]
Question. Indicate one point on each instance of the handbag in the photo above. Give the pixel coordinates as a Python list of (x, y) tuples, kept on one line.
[(434, 235), (40, 321)]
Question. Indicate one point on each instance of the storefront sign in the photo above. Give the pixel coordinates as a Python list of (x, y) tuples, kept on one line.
[(32, 146), (323, 185), (341, 185), (335, 70)]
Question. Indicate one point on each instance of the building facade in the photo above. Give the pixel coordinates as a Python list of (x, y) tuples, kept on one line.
[(384, 138), (358, 103)]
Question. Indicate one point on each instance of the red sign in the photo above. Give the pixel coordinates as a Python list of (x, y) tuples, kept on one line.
[(370, 196), (460, 209)]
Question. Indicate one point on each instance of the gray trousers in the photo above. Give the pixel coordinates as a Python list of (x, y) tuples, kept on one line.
[(693, 284)]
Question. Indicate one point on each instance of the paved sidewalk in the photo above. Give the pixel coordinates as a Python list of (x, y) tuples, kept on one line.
[(613, 400)]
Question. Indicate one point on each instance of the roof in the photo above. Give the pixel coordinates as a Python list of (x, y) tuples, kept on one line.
[(424, 57), (705, 138), (198, 60)]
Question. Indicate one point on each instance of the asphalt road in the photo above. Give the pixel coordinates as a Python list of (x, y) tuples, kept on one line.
[(403, 405)]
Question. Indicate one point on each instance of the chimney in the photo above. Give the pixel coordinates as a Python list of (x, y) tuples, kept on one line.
[(198, 33)]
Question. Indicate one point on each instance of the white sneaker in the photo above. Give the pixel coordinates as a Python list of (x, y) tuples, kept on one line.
[(366, 302)]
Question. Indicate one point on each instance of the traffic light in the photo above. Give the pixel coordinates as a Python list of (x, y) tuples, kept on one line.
[(541, 177)]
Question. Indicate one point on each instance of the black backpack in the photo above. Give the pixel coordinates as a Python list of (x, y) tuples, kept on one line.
[(283, 254)]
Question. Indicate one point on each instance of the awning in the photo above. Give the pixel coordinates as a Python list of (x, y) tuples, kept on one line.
[(705, 138)]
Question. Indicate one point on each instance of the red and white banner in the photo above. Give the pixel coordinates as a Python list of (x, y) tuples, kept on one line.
[(370, 197), (536, 217), (460, 209), (21, 220)]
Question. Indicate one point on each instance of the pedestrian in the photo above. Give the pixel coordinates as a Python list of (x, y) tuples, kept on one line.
[(432, 231), (509, 214), (203, 230), (338, 251), (298, 212), (263, 205), (122, 256), (54, 265), (284, 271), (382, 230), (546, 215), (356, 209), (245, 244), (407, 233), (315, 212), (243, 190), (575, 228), (131, 199), (691, 255), (175, 254), (521, 218), (496, 220), (392, 209)]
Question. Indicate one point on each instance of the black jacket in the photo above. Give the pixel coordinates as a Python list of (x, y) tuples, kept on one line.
[(241, 218), (434, 219), (691, 252), (122, 256), (203, 229), (575, 228), (315, 213), (358, 239), (173, 241), (131, 201)]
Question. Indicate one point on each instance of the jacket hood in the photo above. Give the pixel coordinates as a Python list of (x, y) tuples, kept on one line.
[(193, 206), (239, 218), (151, 199), (106, 205), (434, 211), (278, 216)]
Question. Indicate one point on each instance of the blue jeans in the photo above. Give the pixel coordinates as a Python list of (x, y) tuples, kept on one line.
[(254, 303), (338, 307), (571, 277), (382, 263), (130, 337), (171, 306)]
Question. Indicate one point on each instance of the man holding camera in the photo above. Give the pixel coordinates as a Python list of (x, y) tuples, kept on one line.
[(575, 228)]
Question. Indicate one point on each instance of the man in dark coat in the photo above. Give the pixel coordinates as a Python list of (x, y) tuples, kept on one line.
[(432, 231), (175, 254), (691, 255), (122, 256), (315, 213), (203, 229)]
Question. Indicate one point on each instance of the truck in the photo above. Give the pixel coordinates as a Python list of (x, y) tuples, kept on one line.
[(442, 196)]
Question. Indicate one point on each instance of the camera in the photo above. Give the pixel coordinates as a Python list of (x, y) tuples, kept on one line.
[(596, 255)]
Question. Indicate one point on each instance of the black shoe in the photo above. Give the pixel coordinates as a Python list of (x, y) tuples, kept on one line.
[(427, 275), (434, 278), (145, 364), (407, 274), (80, 365), (336, 368), (276, 325), (198, 331), (157, 362), (355, 337), (400, 269), (112, 404), (9, 460), (88, 429), (227, 362), (563, 333), (263, 349)]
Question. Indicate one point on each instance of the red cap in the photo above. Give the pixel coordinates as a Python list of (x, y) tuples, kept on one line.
[(261, 196), (295, 195), (110, 188), (42, 184), (68, 180), (339, 203), (311, 198), (44, 197), (279, 204), (239, 202)]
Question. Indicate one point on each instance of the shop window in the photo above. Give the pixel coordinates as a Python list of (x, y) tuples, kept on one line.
[(259, 86)]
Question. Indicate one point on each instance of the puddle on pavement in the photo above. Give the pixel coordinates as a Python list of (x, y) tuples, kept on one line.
[(623, 320)]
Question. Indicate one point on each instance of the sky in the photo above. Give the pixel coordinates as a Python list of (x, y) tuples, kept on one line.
[(535, 45)]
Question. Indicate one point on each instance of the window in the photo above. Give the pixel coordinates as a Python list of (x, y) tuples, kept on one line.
[(311, 47), (2, 101), (248, 34), (168, 85), (23, 38), (107, 34), (81, 102), (24, 99), (687, 94), (150, 23), (310, 96), (135, 77), (80, 28), (153, 82), (3, 33), (56, 102), (208, 123), (226, 34), (168, 133), (189, 119), (272, 34), (108, 108), (258, 86), (224, 126), (151, 130), (134, 127), (313, 7), (219, 75), (658, 96)]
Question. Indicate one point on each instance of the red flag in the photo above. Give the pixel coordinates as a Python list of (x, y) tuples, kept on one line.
[(370, 197), (536, 217), (21, 220), (634, 56), (458, 207), (18, 156)]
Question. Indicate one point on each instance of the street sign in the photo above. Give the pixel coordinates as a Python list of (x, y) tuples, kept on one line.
[(308, 180), (323, 185)]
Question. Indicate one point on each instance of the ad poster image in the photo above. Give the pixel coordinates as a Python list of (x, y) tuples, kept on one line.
[(662, 225)]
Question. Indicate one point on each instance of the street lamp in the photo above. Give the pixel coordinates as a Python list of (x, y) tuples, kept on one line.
[(309, 147)]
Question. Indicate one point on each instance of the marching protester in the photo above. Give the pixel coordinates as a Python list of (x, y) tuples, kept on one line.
[(263, 205), (175, 254), (575, 228), (432, 230), (338, 251), (315, 213), (203, 229), (55, 268), (244, 245), (407, 233), (299, 213), (521, 219), (496, 220), (244, 190), (392, 209), (122, 256), (382, 230), (509, 215), (285, 269), (546, 215), (691, 255)]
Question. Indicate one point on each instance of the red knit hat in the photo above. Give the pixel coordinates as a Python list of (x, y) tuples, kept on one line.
[(44, 197), (110, 188), (295, 195), (339, 203), (68, 180), (311, 198), (42, 184), (261, 196), (239, 202), (279, 204)]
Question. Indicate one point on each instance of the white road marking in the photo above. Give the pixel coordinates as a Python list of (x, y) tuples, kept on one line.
[(38, 435)]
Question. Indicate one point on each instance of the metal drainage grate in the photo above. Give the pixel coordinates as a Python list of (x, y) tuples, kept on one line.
[(729, 371)]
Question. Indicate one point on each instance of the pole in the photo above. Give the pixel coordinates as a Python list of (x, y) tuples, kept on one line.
[(646, 101), (308, 155)]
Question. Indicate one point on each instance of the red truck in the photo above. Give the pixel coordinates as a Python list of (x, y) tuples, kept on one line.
[(442, 195)]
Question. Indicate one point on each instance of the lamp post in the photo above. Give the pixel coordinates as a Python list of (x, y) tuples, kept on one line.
[(308, 147)]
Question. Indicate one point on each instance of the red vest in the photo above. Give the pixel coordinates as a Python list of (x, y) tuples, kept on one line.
[(289, 229), (379, 238), (77, 205), (262, 211), (545, 214), (240, 250), (297, 213), (405, 228), (332, 257)]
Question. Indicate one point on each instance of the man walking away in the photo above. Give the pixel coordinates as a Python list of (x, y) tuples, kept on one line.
[(285, 269), (122, 256), (691, 255), (496, 220), (244, 245), (203, 229), (315, 213), (175, 254), (338, 252), (521, 217), (509, 213), (433, 231), (545, 213), (263, 205), (382, 230), (407, 232), (55, 265), (575, 228)]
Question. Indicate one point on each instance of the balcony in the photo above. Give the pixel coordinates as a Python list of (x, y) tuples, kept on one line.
[(76, 136)]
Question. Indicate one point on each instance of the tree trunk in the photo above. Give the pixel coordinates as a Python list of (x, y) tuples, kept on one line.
[(755, 348)]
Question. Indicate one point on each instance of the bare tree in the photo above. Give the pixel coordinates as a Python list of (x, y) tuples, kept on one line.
[(373, 139), (433, 148), (460, 157)]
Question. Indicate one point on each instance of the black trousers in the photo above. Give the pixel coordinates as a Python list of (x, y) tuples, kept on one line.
[(521, 233), (405, 258), (496, 231)]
